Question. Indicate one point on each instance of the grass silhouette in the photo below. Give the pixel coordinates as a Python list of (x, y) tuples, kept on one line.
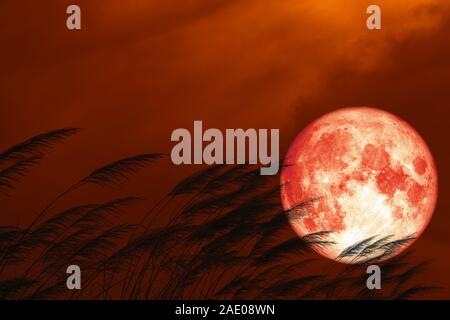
[(226, 238)]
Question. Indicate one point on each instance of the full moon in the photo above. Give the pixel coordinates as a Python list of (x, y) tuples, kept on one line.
[(365, 176)]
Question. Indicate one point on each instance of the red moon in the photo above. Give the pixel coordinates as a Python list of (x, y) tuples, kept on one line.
[(370, 175)]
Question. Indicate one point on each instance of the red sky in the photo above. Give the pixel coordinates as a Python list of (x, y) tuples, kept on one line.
[(140, 69)]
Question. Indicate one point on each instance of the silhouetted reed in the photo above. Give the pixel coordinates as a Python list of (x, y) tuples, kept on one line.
[(224, 235), (37, 145)]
